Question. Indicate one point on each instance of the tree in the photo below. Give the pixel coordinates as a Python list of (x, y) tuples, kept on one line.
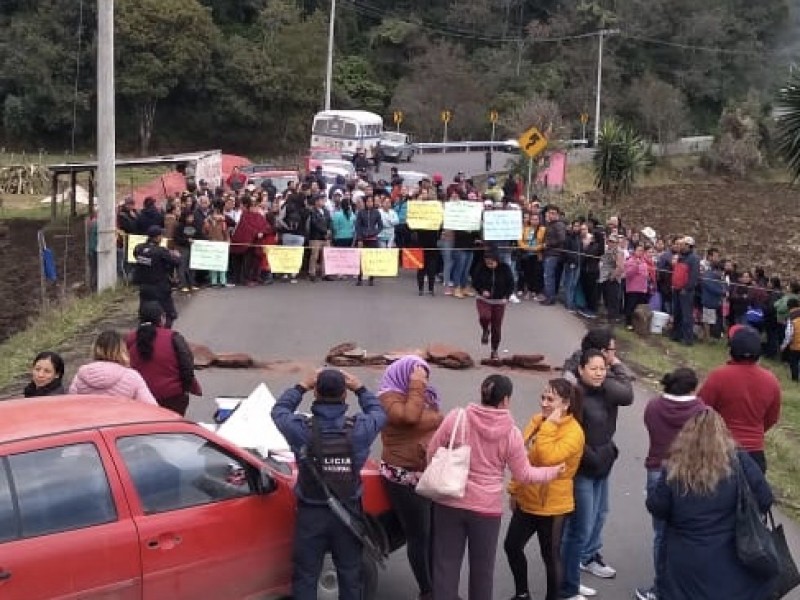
[(738, 149), (619, 157), (661, 108), (789, 125), (160, 44), (355, 85), (537, 112)]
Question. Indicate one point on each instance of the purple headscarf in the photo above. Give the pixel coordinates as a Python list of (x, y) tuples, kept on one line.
[(397, 378)]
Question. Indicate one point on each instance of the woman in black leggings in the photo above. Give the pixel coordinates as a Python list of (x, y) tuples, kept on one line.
[(554, 436)]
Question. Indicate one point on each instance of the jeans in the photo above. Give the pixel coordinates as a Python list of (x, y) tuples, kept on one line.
[(611, 297), (185, 274), (550, 267), (793, 358), (583, 534), (632, 300), (462, 260), (569, 282), (653, 475), (683, 325), (219, 277), (506, 256), (414, 513), (446, 246)]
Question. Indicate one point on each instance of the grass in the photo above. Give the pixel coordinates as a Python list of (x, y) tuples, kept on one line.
[(53, 330), (654, 356)]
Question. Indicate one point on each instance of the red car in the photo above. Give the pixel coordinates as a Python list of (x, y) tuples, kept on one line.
[(110, 498), (316, 156)]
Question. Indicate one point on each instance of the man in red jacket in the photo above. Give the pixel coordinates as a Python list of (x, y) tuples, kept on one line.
[(746, 395)]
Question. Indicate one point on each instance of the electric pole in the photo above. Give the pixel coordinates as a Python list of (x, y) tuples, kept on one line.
[(329, 70), (106, 149), (602, 33)]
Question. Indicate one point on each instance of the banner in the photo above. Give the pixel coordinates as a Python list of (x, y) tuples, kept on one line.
[(412, 258), (285, 259), (424, 214), (341, 261), (460, 215), (135, 240), (209, 256), (379, 262), (502, 225)]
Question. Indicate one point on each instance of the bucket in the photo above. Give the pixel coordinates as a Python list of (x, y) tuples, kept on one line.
[(660, 319)]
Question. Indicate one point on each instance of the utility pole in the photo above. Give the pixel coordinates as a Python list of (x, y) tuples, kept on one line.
[(602, 33), (329, 70), (106, 149)]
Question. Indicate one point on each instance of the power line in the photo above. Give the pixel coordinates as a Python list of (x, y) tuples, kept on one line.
[(716, 50)]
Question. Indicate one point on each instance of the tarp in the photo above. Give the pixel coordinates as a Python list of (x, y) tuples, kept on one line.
[(81, 196), (251, 426)]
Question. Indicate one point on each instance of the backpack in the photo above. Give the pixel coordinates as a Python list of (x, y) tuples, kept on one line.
[(680, 275)]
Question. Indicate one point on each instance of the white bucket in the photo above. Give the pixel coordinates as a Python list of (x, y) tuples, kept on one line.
[(660, 319)]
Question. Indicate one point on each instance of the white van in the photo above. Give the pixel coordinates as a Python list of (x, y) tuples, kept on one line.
[(347, 130)]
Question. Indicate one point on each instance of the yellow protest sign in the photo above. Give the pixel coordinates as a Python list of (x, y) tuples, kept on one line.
[(425, 214), (379, 262), (135, 240), (285, 259)]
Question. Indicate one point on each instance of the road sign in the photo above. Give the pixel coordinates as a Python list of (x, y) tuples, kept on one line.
[(584, 118), (493, 116), (532, 142), (447, 116), (397, 116)]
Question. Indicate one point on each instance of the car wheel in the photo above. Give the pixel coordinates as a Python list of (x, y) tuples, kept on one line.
[(328, 585)]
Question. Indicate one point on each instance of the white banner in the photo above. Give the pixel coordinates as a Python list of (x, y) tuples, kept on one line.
[(209, 256), (460, 215), (501, 225)]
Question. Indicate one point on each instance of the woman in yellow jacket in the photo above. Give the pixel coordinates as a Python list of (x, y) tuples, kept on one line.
[(554, 436), (531, 244)]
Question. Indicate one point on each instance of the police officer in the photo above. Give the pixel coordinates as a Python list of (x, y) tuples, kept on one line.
[(154, 265), (335, 447)]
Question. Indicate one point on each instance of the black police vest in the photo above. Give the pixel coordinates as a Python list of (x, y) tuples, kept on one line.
[(331, 452)]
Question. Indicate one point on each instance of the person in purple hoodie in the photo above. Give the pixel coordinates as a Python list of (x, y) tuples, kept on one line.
[(664, 417)]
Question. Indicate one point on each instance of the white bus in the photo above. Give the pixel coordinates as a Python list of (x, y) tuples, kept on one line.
[(347, 130)]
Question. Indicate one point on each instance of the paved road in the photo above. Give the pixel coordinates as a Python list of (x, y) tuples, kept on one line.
[(300, 322), (449, 164)]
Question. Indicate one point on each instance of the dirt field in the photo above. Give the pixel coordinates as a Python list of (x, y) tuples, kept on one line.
[(20, 283), (754, 224)]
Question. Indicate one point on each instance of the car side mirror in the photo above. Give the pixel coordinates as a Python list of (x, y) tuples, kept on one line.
[(266, 482)]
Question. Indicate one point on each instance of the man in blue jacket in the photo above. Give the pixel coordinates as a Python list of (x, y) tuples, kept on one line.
[(332, 448)]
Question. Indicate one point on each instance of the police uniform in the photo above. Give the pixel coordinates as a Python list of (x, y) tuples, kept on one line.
[(154, 264), (337, 446)]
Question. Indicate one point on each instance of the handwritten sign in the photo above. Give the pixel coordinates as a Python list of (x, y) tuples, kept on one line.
[(424, 214), (209, 256), (285, 259), (341, 261), (462, 215), (502, 225), (135, 240), (379, 262)]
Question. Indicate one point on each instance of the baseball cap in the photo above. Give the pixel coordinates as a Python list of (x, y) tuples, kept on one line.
[(649, 233), (688, 240), (745, 344), (154, 231), (330, 385)]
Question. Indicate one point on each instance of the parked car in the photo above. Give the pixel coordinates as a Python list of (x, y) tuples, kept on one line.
[(106, 498), (280, 177), (397, 146), (411, 179), (316, 156)]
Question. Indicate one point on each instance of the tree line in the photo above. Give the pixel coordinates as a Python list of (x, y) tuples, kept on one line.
[(248, 75)]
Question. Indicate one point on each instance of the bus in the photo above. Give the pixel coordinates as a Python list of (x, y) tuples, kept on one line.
[(346, 130)]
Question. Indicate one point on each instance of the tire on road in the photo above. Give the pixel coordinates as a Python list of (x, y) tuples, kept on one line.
[(328, 585)]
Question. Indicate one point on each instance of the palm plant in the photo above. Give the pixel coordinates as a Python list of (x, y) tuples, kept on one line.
[(619, 157), (788, 126)]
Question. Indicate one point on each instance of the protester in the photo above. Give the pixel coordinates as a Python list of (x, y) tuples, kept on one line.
[(602, 397), (47, 374), (612, 265), (428, 241), (110, 374), (413, 413), (343, 223), (531, 245), (154, 267), (493, 285), (637, 283), (390, 221), (163, 359), (246, 250), (149, 215), (554, 238), (215, 229), (664, 417), (696, 497), (185, 234), (321, 444), (685, 277), (367, 228), (319, 235), (496, 445), (592, 247), (791, 341), (292, 222), (746, 395), (553, 436)]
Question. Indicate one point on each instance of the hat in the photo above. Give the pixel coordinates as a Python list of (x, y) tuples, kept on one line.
[(613, 237), (154, 231), (745, 343), (649, 233), (437, 178), (688, 240), (330, 385)]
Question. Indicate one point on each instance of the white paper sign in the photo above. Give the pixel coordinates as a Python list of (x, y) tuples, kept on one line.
[(502, 225), (460, 215), (209, 256)]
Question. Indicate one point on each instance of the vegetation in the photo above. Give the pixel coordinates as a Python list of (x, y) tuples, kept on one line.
[(247, 75), (619, 158), (789, 126)]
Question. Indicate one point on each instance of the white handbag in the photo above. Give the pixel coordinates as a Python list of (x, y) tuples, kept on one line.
[(446, 475)]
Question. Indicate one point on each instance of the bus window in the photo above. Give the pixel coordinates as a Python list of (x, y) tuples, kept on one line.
[(321, 126), (350, 130)]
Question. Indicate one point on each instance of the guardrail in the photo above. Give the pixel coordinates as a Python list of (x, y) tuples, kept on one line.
[(428, 147)]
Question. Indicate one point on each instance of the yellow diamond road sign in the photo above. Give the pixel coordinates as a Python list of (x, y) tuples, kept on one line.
[(532, 142)]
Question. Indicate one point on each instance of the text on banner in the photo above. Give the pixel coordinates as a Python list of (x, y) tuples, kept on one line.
[(341, 261), (424, 215), (379, 262), (502, 225), (460, 215), (209, 256), (285, 259)]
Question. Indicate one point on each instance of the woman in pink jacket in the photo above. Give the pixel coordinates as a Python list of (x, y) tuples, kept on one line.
[(637, 281), (496, 444), (110, 374)]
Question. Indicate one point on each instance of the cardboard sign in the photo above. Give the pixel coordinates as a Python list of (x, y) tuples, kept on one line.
[(285, 259), (135, 240), (412, 258), (460, 215), (379, 262), (502, 225), (209, 256), (341, 261), (424, 214)]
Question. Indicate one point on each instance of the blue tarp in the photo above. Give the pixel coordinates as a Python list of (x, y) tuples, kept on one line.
[(49, 265)]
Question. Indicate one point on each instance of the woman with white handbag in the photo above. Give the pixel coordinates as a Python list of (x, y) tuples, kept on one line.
[(468, 456)]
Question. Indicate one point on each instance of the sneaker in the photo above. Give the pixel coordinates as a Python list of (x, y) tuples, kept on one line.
[(513, 299), (576, 597), (448, 290), (195, 288), (458, 293), (230, 285), (293, 280), (585, 590), (646, 594), (598, 568), (185, 290), (494, 356), (469, 292)]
